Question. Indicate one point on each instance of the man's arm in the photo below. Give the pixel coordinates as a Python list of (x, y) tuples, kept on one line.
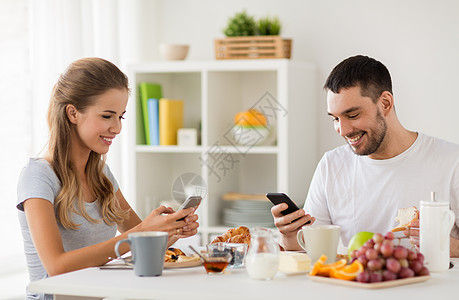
[(288, 227)]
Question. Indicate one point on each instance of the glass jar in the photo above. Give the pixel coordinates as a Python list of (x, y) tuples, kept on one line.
[(262, 259)]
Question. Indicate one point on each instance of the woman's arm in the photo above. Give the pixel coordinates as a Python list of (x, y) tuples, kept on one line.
[(157, 219), (133, 219), (48, 242)]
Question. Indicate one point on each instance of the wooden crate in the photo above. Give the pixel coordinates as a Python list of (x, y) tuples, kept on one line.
[(253, 47)]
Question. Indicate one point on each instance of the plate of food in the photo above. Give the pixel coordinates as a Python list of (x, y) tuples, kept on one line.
[(176, 258), (374, 285)]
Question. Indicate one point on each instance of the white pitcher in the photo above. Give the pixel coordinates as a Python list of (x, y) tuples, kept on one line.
[(436, 221)]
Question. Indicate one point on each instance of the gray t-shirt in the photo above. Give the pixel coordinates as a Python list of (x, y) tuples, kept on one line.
[(38, 180)]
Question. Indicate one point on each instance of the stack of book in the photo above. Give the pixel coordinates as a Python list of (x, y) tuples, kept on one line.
[(162, 117), (251, 210)]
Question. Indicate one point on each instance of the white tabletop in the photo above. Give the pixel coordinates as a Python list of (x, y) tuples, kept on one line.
[(194, 283)]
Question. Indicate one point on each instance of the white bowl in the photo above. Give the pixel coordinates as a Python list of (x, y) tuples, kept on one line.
[(250, 136), (173, 51)]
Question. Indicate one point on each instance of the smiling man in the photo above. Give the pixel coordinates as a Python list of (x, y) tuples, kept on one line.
[(384, 167)]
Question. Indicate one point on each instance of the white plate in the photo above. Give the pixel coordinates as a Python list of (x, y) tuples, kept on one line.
[(295, 273)]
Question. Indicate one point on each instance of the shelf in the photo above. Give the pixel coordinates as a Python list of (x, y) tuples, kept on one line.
[(213, 93), (168, 149), (199, 149)]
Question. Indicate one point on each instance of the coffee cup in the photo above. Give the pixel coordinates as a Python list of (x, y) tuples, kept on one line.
[(318, 240), (148, 249)]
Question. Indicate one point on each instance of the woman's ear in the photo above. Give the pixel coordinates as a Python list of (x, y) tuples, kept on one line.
[(387, 102), (72, 113)]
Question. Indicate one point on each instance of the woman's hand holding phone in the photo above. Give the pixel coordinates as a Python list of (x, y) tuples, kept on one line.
[(192, 201)]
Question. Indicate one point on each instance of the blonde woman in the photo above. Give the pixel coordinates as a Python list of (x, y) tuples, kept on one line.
[(70, 205)]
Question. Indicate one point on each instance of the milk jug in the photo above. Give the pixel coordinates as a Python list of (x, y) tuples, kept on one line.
[(262, 259), (436, 221)]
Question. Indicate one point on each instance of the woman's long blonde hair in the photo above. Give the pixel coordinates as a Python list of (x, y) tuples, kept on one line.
[(79, 85)]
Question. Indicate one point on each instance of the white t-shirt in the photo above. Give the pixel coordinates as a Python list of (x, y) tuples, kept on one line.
[(363, 194)]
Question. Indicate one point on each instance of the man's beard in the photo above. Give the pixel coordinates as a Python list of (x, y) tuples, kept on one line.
[(375, 140)]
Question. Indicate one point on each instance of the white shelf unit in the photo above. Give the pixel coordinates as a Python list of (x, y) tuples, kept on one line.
[(214, 91)]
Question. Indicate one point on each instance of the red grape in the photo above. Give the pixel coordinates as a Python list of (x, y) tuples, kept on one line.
[(400, 252), (388, 275), (416, 266), (363, 277), (377, 247), (369, 244), (424, 271), (371, 254), (355, 253), (405, 272), (386, 250), (389, 236), (404, 262), (374, 265), (388, 242), (376, 277), (378, 238), (384, 260), (420, 257), (393, 265), (363, 260), (362, 250), (412, 255)]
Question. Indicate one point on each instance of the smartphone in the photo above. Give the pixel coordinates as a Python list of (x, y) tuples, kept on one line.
[(278, 198), (192, 201)]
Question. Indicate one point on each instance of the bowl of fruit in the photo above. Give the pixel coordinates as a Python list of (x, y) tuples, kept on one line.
[(250, 128), (377, 259)]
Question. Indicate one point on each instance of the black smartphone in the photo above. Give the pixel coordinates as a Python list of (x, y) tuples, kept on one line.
[(191, 201), (278, 198)]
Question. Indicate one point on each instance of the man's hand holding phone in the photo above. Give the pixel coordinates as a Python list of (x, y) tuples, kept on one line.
[(288, 218)]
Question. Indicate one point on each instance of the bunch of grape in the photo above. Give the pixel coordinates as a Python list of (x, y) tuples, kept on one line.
[(383, 260)]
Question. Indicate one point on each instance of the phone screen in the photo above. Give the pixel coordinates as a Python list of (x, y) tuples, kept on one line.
[(278, 198), (192, 201)]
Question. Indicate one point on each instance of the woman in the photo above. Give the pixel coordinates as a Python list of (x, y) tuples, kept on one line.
[(70, 206)]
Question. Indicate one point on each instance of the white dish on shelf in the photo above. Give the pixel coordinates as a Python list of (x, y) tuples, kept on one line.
[(173, 51), (250, 136)]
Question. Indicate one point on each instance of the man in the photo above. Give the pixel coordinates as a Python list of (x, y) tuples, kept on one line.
[(384, 167)]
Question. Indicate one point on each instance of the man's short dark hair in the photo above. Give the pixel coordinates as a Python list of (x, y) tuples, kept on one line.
[(368, 73)]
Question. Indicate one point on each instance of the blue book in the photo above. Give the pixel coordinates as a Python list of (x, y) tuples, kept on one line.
[(153, 121)]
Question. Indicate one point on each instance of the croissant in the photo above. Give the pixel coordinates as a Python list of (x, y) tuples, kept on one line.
[(240, 234), (240, 239)]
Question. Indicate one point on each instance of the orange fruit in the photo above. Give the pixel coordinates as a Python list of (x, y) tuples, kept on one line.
[(318, 265), (348, 272), (250, 118), (326, 269)]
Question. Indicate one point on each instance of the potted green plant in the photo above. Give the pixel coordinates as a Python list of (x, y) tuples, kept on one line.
[(248, 38), (241, 25), (268, 26)]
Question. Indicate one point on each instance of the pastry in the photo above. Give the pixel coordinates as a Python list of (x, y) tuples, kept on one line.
[(405, 217), (239, 235), (173, 254)]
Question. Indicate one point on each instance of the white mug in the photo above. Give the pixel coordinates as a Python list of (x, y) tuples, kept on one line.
[(436, 221), (318, 240)]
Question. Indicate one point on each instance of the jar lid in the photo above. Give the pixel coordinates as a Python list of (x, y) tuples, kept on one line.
[(434, 203)]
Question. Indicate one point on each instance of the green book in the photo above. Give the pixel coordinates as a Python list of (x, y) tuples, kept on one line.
[(147, 91)]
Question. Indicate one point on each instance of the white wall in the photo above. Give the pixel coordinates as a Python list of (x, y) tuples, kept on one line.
[(418, 40)]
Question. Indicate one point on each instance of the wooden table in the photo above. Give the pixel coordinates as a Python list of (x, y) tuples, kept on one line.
[(194, 283)]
